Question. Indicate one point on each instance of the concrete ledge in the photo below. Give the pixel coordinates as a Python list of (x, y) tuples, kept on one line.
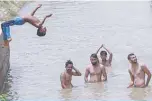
[(4, 63), (8, 9)]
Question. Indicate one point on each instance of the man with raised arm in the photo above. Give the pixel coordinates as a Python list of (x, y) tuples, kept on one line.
[(103, 55), (66, 76)]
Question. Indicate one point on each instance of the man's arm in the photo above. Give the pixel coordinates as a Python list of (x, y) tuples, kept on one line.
[(86, 75), (132, 79), (44, 19), (146, 70), (62, 79), (36, 9), (104, 73), (110, 54), (76, 73), (99, 49)]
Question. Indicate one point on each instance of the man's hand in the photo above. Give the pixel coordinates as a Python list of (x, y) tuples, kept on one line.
[(39, 5), (131, 85), (86, 81), (44, 19), (49, 15), (77, 72), (73, 67), (101, 46)]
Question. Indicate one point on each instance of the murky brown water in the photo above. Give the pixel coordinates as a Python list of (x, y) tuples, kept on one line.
[(76, 30)]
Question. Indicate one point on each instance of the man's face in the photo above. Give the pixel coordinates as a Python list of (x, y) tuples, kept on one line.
[(103, 56), (94, 61), (69, 68), (133, 59)]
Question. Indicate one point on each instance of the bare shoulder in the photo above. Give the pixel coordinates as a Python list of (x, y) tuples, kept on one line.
[(62, 74), (130, 68), (88, 67)]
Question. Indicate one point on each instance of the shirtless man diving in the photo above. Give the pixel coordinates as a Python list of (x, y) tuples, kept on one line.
[(66, 76), (137, 73), (103, 55), (21, 20), (95, 70)]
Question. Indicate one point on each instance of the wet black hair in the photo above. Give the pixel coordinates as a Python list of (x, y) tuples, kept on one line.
[(68, 62), (94, 55), (40, 33), (103, 52), (130, 55)]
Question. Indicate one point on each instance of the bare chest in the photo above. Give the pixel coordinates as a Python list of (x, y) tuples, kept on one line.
[(95, 71), (137, 72), (68, 77)]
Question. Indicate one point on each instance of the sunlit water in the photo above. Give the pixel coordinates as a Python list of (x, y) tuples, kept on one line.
[(75, 31)]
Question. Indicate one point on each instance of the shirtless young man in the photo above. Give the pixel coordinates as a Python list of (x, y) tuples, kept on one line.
[(20, 20), (103, 54), (66, 76), (95, 70), (137, 73)]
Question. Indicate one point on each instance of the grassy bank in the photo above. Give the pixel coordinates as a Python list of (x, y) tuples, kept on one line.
[(9, 9)]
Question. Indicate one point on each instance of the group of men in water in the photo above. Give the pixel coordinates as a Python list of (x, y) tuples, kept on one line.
[(98, 68)]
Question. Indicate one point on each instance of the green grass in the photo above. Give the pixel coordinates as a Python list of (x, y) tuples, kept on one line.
[(3, 97), (9, 9)]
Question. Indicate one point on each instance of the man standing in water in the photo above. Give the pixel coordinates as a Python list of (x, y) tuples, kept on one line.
[(96, 71), (137, 73), (103, 54), (21, 20), (66, 76)]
